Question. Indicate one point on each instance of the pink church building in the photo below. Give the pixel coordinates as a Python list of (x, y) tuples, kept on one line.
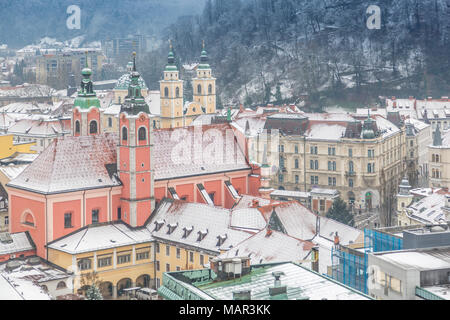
[(93, 177)]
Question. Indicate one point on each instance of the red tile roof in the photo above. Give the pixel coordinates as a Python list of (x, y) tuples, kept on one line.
[(71, 163)]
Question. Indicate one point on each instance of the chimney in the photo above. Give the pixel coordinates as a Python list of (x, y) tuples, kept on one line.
[(336, 240), (277, 288), (315, 259)]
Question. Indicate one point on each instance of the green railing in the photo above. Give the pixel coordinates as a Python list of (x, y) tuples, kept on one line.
[(427, 295)]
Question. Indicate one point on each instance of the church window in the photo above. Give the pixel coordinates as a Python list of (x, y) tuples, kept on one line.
[(177, 92), (166, 92), (110, 122), (68, 220), (93, 127), (142, 133), (95, 215), (199, 89), (124, 134), (77, 126), (210, 89)]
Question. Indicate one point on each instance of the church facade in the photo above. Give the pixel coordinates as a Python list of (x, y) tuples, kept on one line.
[(94, 177)]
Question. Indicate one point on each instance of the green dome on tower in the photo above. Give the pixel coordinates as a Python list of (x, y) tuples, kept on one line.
[(171, 66), (134, 101), (86, 96), (204, 60)]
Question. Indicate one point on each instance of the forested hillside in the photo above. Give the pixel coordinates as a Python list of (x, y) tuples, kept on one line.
[(321, 47)]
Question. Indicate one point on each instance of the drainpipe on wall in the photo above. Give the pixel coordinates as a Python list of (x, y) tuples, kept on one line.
[(304, 162), (84, 209), (46, 227)]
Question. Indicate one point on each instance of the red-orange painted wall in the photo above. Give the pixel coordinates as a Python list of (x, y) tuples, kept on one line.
[(240, 184), (100, 203), (186, 190), (229, 200), (21, 205), (59, 209), (216, 187)]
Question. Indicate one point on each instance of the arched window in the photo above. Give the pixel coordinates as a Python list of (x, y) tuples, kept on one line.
[(124, 134), (210, 89), (77, 126), (437, 158), (93, 127), (28, 219), (199, 89), (177, 92), (61, 285), (166, 92), (142, 133), (433, 158)]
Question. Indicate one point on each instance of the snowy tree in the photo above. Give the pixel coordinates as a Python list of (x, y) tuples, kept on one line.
[(339, 212), (93, 293)]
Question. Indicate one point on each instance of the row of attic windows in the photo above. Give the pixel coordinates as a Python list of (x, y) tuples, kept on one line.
[(187, 231)]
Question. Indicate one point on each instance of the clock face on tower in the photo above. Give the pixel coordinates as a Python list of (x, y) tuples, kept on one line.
[(166, 103), (210, 99)]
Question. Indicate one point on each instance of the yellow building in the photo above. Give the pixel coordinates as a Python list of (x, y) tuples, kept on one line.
[(171, 89), (174, 111), (125, 257), (363, 159), (121, 256), (8, 148), (204, 85)]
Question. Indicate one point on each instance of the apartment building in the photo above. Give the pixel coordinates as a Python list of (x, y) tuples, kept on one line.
[(362, 158)]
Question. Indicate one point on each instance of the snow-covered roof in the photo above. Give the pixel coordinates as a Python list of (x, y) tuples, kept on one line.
[(113, 109), (421, 259), (72, 163), (334, 117), (20, 242), (290, 193), (325, 131), (386, 127), (11, 172), (429, 209), (124, 82), (418, 125), (211, 221), (14, 287), (27, 91), (100, 237), (24, 281), (266, 247), (215, 152), (301, 283), (247, 219), (40, 128), (154, 102)]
